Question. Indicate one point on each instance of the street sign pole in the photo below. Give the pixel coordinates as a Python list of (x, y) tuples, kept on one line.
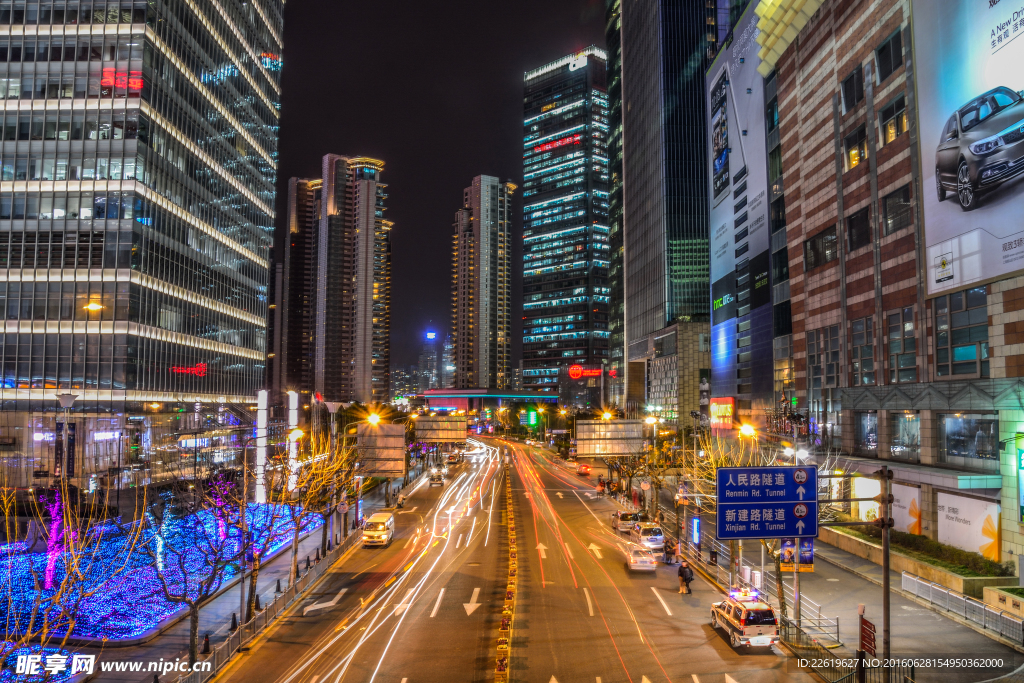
[(885, 475), (796, 582)]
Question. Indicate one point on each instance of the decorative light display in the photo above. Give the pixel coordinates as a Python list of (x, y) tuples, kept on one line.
[(120, 604)]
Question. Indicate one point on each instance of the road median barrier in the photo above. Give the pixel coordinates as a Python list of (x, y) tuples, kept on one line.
[(503, 643)]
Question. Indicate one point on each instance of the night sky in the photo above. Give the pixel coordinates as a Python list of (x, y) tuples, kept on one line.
[(435, 90)]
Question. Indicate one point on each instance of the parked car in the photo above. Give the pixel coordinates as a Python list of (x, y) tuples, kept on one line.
[(647, 535), (624, 521), (639, 559), (981, 146)]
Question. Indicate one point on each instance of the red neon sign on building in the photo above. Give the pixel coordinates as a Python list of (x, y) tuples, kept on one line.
[(199, 370), (111, 78), (578, 371), (571, 140), (722, 410)]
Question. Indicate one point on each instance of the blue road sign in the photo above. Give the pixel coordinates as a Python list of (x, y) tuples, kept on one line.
[(767, 502)]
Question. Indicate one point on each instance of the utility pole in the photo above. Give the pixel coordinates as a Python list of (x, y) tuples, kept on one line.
[(885, 474)]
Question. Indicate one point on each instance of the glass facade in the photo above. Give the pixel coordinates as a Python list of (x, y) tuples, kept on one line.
[(565, 216), (616, 274), (137, 173)]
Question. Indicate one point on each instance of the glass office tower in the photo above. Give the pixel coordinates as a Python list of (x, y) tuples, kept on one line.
[(565, 218), (136, 219)]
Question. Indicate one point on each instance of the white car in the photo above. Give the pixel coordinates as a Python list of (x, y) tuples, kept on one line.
[(379, 529), (648, 535), (624, 521), (746, 618), (639, 559)]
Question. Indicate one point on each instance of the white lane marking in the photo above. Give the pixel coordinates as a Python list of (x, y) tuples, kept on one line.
[(568, 551), (459, 542), (553, 679), (437, 604), (729, 679), (471, 527), (473, 603), (403, 680), (661, 600), (645, 679), (542, 548), (831, 579), (315, 679), (594, 549), (598, 679), (590, 605), (589, 510), (325, 605), (489, 510), (695, 679), (404, 605)]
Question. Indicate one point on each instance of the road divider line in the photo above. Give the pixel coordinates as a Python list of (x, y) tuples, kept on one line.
[(459, 542), (661, 600), (568, 551), (590, 605), (437, 605)]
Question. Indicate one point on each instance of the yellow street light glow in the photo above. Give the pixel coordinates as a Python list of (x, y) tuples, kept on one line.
[(561, 412), (748, 430), (93, 306), (154, 406), (413, 416), (606, 416), (373, 419), (540, 410), (651, 420), (295, 435)]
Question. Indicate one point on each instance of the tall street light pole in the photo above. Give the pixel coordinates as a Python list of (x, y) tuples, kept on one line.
[(66, 401)]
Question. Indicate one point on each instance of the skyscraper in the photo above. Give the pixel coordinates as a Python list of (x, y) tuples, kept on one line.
[(616, 298), (136, 216), (665, 51), (565, 213), (353, 309), (481, 278)]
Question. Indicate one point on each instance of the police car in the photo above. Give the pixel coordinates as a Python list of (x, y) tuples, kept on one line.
[(746, 618)]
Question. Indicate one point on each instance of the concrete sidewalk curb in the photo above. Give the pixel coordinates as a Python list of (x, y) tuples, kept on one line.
[(952, 616)]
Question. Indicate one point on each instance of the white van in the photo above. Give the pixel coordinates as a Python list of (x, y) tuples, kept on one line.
[(379, 529)]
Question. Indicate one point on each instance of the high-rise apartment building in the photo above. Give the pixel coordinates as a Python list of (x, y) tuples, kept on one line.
[(481, 279), (291, 359), (427, 372), (136, 218), (665, 49), (565, 220), (333, 298)]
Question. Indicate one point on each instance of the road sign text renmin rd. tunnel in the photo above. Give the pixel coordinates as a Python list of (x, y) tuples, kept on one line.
[(767, 502)]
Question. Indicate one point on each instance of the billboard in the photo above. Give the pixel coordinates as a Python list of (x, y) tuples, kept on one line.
[(971, 115), (723, 409), (381, 450), (906, 508), (609, 438), (441, 428), (969, 523), (741, 321)]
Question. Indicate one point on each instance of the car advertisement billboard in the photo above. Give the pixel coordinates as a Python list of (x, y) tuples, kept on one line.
[(969, 80)]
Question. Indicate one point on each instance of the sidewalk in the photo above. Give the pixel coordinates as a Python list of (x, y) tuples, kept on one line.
[(215, 616)]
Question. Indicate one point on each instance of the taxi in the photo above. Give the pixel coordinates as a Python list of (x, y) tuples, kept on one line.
[(640, 559), (746, 618)]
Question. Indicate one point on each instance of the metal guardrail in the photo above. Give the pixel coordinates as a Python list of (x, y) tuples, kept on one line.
[(822, 627), (976, 611), (222, 654), (837, 668)]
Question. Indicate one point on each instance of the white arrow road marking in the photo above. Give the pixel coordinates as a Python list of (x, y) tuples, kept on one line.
[(591, 496), (542, 548), (645, 679), (553, 680), (695, 679), (559, 494), (800, 491), (472, 604), (437, 604), (412, 510), (594, 549), (325, 605), (729, 679), (661, 600), (590, 605), (404, 605), (569, 552)]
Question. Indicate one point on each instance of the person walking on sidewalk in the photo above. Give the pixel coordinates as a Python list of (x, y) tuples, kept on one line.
[(685, 577)]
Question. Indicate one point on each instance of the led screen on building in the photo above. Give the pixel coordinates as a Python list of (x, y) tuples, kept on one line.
[(969, 77), (741, 333)]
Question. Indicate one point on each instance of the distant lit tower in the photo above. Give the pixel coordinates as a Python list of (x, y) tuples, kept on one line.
[(352, 325), (428, 375), (565, 217), (448, 363), (481, 281)]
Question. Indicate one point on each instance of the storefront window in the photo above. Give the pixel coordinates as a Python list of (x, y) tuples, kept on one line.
[(969, 440), (906, 436), (865, 434)]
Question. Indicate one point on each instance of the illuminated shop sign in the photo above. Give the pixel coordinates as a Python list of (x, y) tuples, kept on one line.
[(722, 410), (112, 78), (578, 371), (571, 140), (199, 370)]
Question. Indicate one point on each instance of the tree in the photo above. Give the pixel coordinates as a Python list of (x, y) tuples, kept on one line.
[(192, 550), (73, 551)]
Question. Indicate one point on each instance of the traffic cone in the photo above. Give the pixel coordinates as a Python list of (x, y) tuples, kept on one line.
[(278, 589), (206, 644), (234, 622)]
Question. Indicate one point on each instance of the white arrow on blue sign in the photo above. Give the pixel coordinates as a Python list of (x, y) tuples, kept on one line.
[(767, 502)]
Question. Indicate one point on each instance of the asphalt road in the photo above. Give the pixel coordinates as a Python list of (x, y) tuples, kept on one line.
[(409, 614)]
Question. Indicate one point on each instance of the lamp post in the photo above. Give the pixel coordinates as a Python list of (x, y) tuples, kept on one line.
[(66, 401)]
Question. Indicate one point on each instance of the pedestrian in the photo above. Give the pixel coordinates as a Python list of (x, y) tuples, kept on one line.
[(669, 550), (685, 577)]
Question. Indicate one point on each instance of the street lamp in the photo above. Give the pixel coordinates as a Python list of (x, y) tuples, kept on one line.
[(606, 416), (373, 419), (748, 431), (293, 457)]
